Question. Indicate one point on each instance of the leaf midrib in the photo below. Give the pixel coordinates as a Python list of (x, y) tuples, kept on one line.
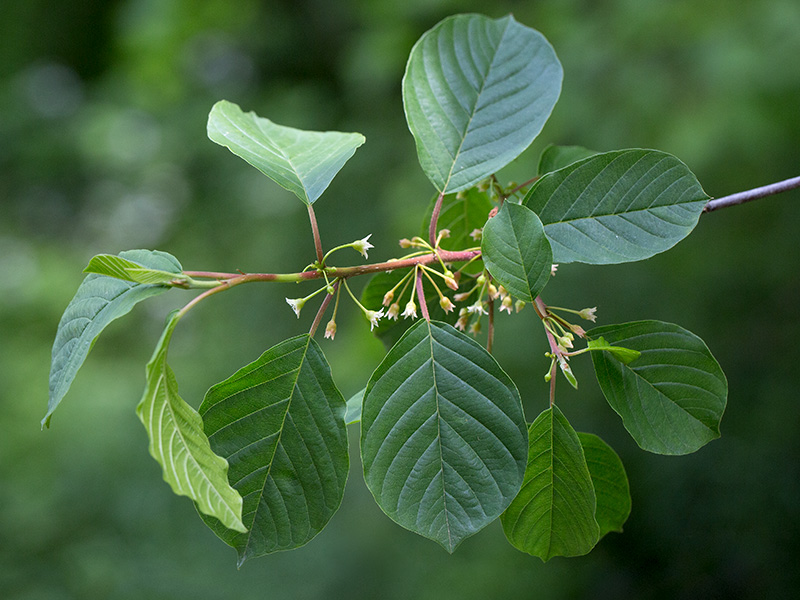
[(474, 108), (246, 547)]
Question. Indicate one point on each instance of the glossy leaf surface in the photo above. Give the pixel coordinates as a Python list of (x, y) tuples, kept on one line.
[(516, 252), (554, 513), (98, 301), (303, 162), (279, 421), (178, 443), (443, 437), (617, 207), (610, 483), (476, 92), (672, 397)]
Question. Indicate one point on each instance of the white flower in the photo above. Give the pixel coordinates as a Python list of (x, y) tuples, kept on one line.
[(477, 309), (411, 310), (296, 304), (393, 311), (373, 316), (588, 314), (506, 304), (363, 245)]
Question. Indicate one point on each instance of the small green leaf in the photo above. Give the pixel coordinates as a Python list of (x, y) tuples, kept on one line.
[(554, 158), (671, 399), (516, 252), (353, 414), (626, 355), (610, 483), (122, 268), (476, 92), (554, 513), (178, 443), (443, 436), (98, 301), (617, 207), (280, 422), (303, 162)]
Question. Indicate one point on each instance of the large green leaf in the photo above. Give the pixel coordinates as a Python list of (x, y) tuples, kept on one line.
[(178, 443), (443, 437), (98, 301), (303, 162), (554, 513), (516, 252), (610, 483), (280, 423), (476, 92), (617, 206), (672, 397)]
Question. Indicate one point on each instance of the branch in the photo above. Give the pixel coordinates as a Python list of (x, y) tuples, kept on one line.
[(754, 194)]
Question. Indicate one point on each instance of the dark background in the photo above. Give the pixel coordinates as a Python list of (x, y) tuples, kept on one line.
[(102, 148)]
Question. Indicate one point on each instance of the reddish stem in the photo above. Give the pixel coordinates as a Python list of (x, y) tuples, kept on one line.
[(315, 231), (437, 208), (423, 306), (322, 308)]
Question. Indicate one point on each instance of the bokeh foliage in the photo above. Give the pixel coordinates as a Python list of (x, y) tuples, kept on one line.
[(102, 119)]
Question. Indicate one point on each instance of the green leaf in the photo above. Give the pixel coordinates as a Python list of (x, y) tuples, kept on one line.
[(98, 301), (476, 92), (671, 399), (553, 515), (554, 158), (610, 483), (353, 414), (617, 207), (122, 268), (303, 162), (443, 436), (516, 252), (178, 443), (280, 422), (626, 355)]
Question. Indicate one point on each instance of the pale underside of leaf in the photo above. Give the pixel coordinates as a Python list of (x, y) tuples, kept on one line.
[(98, 301), (303, 162), (443, 436), (178, 443)]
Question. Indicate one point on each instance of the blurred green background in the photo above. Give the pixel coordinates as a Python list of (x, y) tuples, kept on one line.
[(102, 148)]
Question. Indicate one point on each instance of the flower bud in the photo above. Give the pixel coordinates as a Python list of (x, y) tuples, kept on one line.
[(446, 304), (388, 297), (330, 329)]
